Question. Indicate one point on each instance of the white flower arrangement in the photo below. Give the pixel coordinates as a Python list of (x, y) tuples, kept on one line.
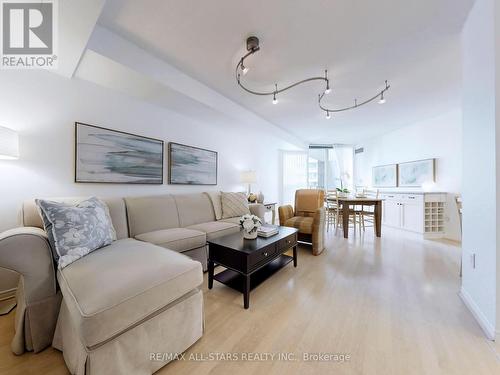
[(250, 224)]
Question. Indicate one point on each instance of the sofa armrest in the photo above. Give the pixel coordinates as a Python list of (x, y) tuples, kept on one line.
[(318, 234), (257, 209), (285, 213), (26, 251)]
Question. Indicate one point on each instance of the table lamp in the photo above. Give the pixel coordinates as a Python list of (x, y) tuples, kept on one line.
[(249, 177)]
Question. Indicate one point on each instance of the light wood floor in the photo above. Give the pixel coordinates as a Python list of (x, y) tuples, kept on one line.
[(390, 303)]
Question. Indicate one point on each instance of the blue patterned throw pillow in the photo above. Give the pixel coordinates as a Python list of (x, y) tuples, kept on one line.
[(76, 230)]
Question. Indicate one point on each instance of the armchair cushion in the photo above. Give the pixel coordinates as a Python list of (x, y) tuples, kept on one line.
[(307, 201), (302, 223)]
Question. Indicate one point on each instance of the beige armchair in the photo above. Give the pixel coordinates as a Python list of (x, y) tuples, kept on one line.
[(308, 217)]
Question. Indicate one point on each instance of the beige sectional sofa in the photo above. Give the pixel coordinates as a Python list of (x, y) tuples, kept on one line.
[(121, 303)]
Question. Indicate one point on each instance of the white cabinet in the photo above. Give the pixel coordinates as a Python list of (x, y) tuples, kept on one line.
[(391, 213), (412, 217), (420, 212)]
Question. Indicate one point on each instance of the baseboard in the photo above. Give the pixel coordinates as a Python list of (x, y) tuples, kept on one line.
[(484, 323)]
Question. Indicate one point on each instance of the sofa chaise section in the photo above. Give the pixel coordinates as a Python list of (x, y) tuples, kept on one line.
[(115, 290)]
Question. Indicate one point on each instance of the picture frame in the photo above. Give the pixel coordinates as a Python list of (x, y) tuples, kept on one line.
[(110, 156), (189, 165), (416, 173), (385, 176)]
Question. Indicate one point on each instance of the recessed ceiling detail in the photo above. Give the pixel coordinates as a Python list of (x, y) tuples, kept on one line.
[(253, 47)]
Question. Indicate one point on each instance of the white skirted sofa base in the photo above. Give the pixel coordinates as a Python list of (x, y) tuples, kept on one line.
[(152, 302)]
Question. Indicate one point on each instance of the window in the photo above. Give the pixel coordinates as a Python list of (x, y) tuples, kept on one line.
[(330, 167), (327, 168)]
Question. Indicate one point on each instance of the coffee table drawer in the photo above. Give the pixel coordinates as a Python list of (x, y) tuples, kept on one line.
[(259, 257), (287, 243)]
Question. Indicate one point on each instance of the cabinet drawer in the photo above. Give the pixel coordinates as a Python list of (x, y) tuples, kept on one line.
[(287, 243), (389, 196), (416, 198), (259, 257)]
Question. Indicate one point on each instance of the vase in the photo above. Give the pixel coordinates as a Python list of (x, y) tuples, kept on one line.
[(260, 197), (250, 236)]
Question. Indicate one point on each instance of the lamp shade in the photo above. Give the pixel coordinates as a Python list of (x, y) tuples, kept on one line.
[(248, 177), (9, 144)]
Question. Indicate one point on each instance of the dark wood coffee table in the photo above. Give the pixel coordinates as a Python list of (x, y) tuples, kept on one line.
[(249, 262)]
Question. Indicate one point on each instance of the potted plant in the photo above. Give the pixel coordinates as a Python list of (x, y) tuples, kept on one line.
[(343, 192), (250, 224)]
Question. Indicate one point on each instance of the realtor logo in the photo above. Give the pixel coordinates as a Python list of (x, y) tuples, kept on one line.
[(28, 34)]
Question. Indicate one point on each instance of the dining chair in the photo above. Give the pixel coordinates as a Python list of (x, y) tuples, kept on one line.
[(368, 212), (354, 217), (331, 205)]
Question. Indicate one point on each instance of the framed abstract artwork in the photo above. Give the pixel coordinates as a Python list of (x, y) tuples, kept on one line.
[(416, 173), (385, 176), (110, 156), (191, 165)]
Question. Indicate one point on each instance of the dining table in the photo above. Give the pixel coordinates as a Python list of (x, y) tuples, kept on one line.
[(347, 202)]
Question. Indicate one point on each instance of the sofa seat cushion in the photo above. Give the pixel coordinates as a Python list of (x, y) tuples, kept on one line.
[(302, 223), (178, 239), (215, 229), (233, 220), (114, 288)]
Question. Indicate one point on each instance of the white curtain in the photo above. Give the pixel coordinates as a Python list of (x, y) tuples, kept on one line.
[(341, 161)]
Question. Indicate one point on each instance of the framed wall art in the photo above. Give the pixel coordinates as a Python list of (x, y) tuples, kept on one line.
[(191, 165), (110, 156)]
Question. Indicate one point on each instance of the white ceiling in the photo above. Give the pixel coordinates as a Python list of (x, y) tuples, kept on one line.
[(413, 44)]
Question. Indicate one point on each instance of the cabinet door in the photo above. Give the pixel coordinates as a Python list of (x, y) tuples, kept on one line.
[(392, 213), (412, 217)]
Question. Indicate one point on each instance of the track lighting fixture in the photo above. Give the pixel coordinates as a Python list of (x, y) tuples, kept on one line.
[(253, 47)]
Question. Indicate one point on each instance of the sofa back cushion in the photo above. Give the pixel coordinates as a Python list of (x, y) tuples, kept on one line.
[(307, 201), (194, 209), (215, 197), (30, 216), (147, 214)]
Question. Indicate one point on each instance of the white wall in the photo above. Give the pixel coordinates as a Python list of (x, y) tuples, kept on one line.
[(497, 108), (43, 107), (480, 170), (439, 138)]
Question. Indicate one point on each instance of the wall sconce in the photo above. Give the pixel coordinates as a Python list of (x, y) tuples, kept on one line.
[(9, 144)]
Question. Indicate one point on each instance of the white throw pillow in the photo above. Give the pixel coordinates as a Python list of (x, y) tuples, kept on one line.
[(234, 205)]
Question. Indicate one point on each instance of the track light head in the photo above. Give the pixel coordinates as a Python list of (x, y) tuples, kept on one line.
[(382, 99), (252, 43), (328, 116), (275, 101), (244, 69)]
